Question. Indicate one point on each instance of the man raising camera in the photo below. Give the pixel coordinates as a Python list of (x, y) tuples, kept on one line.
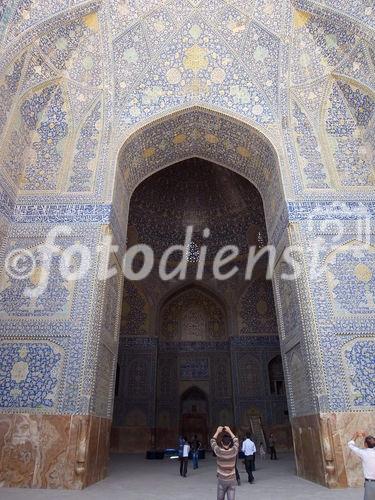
[(225, 446)]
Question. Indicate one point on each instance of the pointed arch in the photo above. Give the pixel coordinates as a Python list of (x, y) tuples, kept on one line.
[(205, 133), (192, 313)]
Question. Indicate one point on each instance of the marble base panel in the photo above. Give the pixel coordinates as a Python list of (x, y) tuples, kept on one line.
[(321, 451), (53, 451)]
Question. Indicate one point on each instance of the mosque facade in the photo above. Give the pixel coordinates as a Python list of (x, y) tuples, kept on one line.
[(110, 110)]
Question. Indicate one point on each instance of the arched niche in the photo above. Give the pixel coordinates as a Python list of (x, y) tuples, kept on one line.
[(193, 313), (194, 414), (276, 376), (207, 134)]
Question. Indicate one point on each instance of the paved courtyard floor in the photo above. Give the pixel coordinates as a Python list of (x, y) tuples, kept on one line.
[(134, 478)]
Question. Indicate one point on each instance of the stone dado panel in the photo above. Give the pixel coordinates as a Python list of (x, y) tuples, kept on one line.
[(53, 451), (320, 443)]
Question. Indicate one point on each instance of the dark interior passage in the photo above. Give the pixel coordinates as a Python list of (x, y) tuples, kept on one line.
[(195, 354)]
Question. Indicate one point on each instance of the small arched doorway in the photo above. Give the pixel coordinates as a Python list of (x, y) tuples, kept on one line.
[(276, 376), (194, 414)]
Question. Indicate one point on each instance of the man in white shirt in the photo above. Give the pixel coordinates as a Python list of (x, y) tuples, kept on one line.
[(248, 448), (367, 455), (185, 458)]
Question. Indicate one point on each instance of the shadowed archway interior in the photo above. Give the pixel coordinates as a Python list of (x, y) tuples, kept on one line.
[(194, 415), (209, 337)]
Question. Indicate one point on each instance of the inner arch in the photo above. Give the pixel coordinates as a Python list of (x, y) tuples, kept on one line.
[(209, 135)]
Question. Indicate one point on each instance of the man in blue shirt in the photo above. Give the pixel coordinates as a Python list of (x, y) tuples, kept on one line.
[(195, 447)]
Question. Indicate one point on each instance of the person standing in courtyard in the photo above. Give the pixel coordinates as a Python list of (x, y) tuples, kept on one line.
[(272, 443), (262, 451), (185, 458), (225, 446), (367, 455), (195, 447), (238, 477), (180, 448), (249, 449)]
